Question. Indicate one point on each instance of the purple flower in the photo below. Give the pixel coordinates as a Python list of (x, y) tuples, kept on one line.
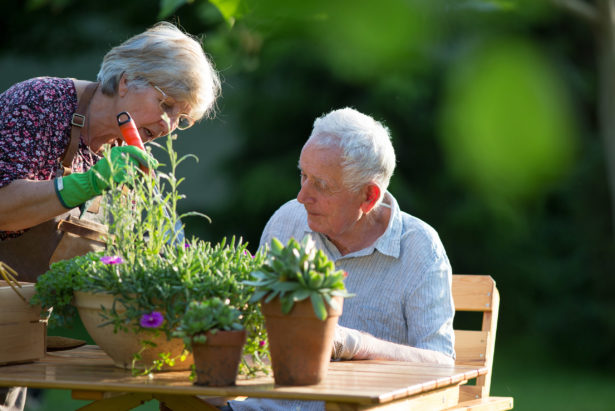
[(261, 343), (111, 259), (152, 320), (186, 245)]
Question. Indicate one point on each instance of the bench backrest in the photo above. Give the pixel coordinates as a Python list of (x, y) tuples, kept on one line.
[(476, 347)]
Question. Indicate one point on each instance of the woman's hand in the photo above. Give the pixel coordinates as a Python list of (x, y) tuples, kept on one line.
[(77, 188)]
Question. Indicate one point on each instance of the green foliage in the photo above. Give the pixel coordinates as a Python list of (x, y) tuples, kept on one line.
[(209, 315), (146, 268), (165, 283), (230, 9), (507, 127), (168, 7), (54, 289), (298, 271)]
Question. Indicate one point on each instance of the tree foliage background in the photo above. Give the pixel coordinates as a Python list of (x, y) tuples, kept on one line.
[(492, 106)]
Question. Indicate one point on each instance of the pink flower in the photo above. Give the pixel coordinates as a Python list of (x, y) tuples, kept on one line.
[(261, 343), (152, 320), (111, 259)]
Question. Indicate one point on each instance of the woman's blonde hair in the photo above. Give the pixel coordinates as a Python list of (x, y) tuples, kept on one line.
[(169, 58)]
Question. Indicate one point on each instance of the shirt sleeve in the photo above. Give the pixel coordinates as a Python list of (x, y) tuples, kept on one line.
[(34, 128), (429, 307)]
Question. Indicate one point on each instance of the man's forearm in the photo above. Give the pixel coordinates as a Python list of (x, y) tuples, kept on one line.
[(372, 348)]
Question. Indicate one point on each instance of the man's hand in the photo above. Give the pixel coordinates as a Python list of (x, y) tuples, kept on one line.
[(77, 188), (346, 343)]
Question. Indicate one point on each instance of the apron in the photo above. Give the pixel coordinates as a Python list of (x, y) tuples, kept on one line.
[(30, 254)]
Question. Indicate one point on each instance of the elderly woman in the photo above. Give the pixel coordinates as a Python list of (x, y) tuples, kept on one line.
[(53, 131), (397, 267)]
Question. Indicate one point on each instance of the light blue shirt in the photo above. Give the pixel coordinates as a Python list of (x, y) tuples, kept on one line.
[(402, 285)]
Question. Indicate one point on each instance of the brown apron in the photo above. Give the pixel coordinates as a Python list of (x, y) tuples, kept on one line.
[(63, 236)]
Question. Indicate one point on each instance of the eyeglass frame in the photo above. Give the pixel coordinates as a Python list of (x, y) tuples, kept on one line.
[(181, 116)]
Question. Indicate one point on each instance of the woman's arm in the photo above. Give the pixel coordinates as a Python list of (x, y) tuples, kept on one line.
[(26, 203)]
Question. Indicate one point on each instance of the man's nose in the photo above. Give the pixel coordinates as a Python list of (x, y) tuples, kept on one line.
[(304, 196)]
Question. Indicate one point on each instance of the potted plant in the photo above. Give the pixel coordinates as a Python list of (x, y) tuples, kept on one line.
[(136, 292), (301, 294), (212, 330)]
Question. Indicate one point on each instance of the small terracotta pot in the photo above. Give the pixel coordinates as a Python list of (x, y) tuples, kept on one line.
[(217, 361), (299, 342)]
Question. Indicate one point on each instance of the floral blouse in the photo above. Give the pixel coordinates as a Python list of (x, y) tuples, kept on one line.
[(35, 128)]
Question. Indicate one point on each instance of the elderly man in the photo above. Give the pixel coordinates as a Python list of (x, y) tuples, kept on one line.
[(397, 267)]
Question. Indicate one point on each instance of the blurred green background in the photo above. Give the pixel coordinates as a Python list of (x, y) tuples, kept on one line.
[(501, 114)]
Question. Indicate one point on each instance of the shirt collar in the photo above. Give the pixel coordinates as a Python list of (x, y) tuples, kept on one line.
[(389, 243)]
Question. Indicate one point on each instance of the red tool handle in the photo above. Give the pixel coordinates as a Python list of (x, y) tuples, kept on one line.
[(129, 131)]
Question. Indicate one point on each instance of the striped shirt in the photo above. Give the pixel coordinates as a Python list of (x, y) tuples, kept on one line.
[(402, 286)]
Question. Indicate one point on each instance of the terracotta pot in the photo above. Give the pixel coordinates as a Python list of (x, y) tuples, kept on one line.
[(217, 361), (300, 343), (122, 346)]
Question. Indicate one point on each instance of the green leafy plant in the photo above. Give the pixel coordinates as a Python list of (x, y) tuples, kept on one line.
[(209, 315), (298, 271), (152, 272)]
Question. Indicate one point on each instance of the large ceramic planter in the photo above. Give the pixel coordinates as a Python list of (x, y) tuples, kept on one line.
[(299, 343), (122, 346), (217, 361)]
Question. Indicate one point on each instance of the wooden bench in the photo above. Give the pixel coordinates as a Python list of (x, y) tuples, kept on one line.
[(477, 293)]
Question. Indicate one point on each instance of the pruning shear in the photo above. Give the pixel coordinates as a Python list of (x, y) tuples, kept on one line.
[(131, 136)]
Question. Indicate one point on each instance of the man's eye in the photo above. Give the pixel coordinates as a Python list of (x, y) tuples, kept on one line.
[(321, 187)]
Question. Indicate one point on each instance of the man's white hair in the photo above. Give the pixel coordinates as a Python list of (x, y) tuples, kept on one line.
[(367, 152)]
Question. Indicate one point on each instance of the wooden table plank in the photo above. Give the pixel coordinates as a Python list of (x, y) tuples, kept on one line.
[(362, 382)]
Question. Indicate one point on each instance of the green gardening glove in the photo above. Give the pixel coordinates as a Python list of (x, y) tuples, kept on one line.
[(77, 188)]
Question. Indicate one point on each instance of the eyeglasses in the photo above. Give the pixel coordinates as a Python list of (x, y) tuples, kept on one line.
[(184, 120)]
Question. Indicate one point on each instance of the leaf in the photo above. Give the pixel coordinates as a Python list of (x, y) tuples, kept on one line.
[(230, 9), (286, 286), (315, 279), (301, 280), (258, 295), (278, 266), (271, 296), (259, 275), (319, 306), (168, 7), (195, 214), (287, 305), (276, 245), (301, 294), (332, 303)]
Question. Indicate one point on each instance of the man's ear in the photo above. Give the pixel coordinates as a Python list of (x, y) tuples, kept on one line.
[(372, 194)]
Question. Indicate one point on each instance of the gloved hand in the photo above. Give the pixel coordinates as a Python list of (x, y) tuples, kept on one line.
[(346, 343), (77, 188)]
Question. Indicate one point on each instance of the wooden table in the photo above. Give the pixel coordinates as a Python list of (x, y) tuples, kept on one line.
[(349, 385)]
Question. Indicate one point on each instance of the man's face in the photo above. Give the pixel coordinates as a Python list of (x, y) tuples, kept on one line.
[(332, 209)]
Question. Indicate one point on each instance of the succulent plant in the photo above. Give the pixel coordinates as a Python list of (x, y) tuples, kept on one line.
[(298, 271)]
